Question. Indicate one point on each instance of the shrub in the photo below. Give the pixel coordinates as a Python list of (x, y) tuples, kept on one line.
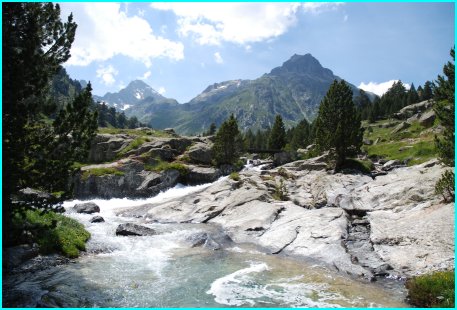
[(281, 192), (235, 176), (433, 290), (100, 172), (55, 233), (364, 166), (445, 186)]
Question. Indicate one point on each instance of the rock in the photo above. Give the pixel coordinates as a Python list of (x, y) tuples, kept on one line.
[(170, 131), (388, 125), (400, 127), (87, 208), (105, 147), (413, 118), (133, 181), (427, 119), (367, 142), (200, 153), (412, 109), (204, 240), (97, 219), (404, 148), (308, 164), (391, 164), (201, 175), (282, 158), (17, 255), (129, 229)]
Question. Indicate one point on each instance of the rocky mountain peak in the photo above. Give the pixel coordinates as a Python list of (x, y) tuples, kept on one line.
[(302, 65)]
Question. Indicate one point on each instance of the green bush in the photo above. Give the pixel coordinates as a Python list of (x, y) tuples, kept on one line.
[(445, 186), (281, 192), (55, 233), (100, 172), (235, 176), (434, 290)]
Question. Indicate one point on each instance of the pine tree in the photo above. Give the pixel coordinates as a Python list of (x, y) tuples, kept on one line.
[(413, 97), (301, 135), (445, 110), (228, 143), (38, 149), (277, 138), (338, 124), (428, 91)]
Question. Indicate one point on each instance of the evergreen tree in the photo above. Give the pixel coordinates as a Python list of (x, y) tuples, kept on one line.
[(228, 142), (445, 110), (277, 138), (420, 93), (428, 91), (338, 124), (39, 145), (301, 135), (413, 97)]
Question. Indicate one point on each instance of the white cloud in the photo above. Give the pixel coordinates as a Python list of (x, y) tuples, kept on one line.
[(242, 23), (379, 88), (218, 58), (320, 7), (105, 31), (161, 90), (145, 75), (106, 74)]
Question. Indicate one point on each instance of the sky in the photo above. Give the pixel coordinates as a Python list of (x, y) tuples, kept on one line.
[(181, 48)]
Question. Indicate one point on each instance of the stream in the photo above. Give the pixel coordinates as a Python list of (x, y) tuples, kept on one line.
[(165, 271)]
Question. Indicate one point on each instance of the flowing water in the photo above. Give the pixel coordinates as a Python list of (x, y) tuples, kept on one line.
[(164, 271)]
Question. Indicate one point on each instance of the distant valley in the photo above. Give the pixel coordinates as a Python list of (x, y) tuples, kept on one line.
[(293, 90)]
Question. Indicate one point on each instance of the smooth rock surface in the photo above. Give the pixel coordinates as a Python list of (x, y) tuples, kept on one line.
[(130, 229), (87, 208)]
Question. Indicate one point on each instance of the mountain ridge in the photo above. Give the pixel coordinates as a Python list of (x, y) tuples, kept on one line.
[(294, 90)]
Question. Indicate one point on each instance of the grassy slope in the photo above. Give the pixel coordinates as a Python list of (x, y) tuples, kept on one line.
[(415, 144)]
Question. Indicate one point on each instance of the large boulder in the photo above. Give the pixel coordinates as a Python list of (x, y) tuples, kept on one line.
[(282, 158), (105, 147), (130, 229), (201, 175), (412, 109), (400, 127), (427, 119), (87, 208), (200, 153)]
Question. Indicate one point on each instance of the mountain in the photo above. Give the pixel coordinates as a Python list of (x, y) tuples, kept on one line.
[(294, 90), (135, 93)]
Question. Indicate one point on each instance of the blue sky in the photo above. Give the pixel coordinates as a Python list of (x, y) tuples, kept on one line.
[(181, 48)]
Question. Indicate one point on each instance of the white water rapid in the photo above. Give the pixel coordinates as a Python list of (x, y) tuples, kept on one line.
[(163, 270)]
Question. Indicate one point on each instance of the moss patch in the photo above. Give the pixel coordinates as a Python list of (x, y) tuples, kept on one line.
[(100, 172), (134, 144), (434, 290), (163, 166), (235, 176), (55, 233)]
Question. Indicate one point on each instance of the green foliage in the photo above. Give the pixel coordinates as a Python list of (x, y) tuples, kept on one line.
[(446, 186), (100, 171), (434, 290), (228, 142), (277, 139), (281, 193), (235, 176), (164, 166), (134, 144), (143, 132), (301, 135), (338, 123), (54, 233), (445, 86)]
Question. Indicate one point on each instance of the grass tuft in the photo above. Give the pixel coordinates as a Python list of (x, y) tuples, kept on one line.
[(434, 290), (100, 172)]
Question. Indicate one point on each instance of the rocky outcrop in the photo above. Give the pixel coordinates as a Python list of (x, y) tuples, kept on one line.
[(105, 147), (97, 219), (87, 208), (427, 119), (392, 225), (201, 175), (200, 153), (412, 109), (400, 127), (129, 229)]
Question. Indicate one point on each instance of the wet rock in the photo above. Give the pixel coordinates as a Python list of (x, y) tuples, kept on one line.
[(17, 255), (97, 219), (87, 208), (391, 164), (129, 229)]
